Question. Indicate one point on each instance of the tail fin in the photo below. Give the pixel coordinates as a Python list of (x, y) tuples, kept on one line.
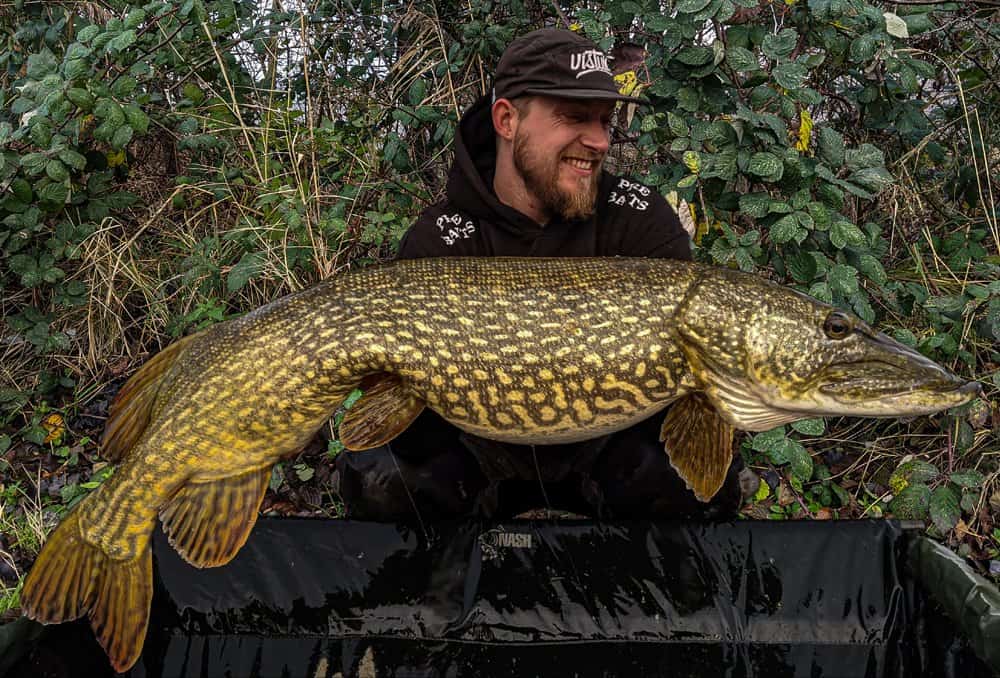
[(72, 578)]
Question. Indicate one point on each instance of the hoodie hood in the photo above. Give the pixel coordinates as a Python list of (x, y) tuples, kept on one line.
[(470, 182)]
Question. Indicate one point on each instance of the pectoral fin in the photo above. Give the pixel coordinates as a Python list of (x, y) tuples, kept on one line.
[(699, 444), (383, 412)]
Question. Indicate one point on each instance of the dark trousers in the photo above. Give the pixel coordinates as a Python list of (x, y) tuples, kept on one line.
[(435, 471)]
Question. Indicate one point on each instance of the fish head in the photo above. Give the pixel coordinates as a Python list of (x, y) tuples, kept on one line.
[(786, 356)]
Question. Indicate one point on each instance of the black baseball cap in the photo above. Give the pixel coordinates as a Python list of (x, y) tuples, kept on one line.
[(556, 62)]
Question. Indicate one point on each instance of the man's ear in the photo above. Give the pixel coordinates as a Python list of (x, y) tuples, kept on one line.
[(505, 119)]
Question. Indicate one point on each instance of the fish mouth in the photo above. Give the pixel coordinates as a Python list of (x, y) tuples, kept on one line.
[(902, 386)]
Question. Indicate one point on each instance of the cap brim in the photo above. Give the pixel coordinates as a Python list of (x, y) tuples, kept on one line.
[(593, 94)]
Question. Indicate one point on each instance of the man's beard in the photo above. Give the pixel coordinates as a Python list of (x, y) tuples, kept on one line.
[(541, 177)]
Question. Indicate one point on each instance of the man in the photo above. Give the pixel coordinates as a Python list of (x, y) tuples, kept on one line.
[(527, 181)]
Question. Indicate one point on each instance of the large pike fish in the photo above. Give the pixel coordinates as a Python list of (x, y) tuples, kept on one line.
[(521, 350)]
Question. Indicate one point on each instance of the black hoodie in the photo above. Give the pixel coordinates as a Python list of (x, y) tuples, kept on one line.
[(631, 219)]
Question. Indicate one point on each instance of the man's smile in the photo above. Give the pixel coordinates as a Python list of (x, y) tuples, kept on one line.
[(582, 166)]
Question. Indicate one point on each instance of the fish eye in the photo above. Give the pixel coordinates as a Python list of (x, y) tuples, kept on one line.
[(838, 325)]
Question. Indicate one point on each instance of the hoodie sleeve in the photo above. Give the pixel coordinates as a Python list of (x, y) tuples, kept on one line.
[(440, 231), (655, 231)]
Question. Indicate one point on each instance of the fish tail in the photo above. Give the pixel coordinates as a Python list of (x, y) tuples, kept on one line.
[(72, 578)]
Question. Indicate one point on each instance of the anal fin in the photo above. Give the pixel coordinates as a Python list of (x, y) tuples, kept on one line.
[(209, 521), (699, 444), (383, 412)]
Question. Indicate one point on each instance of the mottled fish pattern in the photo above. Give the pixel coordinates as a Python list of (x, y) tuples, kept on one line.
[(522, 350)]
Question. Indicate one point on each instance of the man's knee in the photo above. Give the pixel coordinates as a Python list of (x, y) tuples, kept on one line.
[(637, 481), (382, 486)]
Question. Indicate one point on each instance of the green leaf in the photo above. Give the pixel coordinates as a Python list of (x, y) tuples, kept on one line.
[(124, 86), (872, 269), (863, 48), (784, 229), (780, 45), (122, 41), (755, 204), (765, 164), (691, 6), (54, 193), (912, 503), (249, 266), (844, 233), (831, 147), (76, 68), (762, 442), (80, 97), (56, 171), (873, 179), (134, 18), (72, 158), (967, 478), (741, 59), (912, 471), (863, 157), (87, 33), (790, 76), (843, 279), (801, 461), (802, 266), (810, 427), (678, 127), (895, 26), (822, 291), (121, 137), (136, 118), (918, 23), (695, 56), (944, 508)]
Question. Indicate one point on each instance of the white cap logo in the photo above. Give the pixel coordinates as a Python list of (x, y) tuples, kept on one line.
[(591, 61)]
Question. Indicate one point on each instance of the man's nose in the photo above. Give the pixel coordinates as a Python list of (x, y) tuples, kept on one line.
[(596, 136)]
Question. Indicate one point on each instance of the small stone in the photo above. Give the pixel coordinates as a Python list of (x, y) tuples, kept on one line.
[(995, 568)]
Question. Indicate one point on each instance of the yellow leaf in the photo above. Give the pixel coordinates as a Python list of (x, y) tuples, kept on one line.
[(805, 131), (790, 2), (692, 161), (116, 158), (55, 426), (626, 82), (673, 199)]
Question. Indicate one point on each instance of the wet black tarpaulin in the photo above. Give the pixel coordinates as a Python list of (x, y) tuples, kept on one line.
[(314, 598)]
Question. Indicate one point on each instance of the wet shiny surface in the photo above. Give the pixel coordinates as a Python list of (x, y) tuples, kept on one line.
[(313, 598)]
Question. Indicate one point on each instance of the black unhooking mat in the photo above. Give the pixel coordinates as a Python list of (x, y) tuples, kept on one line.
[(319, 599)]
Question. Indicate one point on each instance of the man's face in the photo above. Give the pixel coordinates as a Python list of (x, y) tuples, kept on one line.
[(559, 148)]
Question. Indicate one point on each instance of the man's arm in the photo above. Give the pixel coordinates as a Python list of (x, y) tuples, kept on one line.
[(654, 232)]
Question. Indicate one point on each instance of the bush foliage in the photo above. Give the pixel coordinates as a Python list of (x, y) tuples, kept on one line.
[(166, 165)]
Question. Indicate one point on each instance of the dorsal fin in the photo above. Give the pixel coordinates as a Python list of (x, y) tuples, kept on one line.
[(131, 408), (385, 409), (699, 444)]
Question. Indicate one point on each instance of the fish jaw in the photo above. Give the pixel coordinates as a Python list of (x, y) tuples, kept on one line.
[(879, 377), (891, 380)]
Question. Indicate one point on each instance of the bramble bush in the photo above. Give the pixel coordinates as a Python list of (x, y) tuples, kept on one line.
[(166, 165)]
